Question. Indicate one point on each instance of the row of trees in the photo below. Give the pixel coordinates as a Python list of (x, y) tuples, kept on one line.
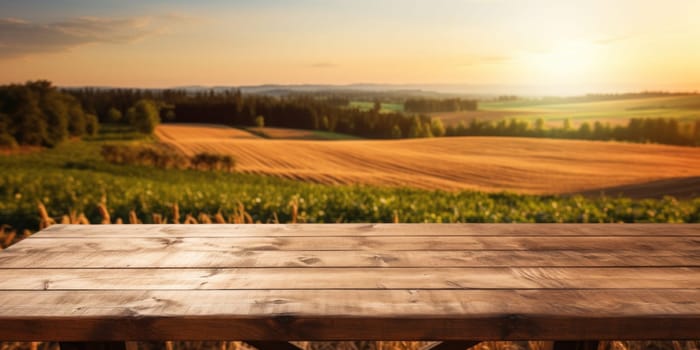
[(656, 130), (231, 107), (425, 105), (36, 113)]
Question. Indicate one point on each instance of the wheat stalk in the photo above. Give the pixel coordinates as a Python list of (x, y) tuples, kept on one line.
[(190, 220), (104, 213), (46, 220)]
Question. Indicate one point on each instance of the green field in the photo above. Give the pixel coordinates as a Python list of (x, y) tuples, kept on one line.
[(684, 108), (73, 177), (368, 105)]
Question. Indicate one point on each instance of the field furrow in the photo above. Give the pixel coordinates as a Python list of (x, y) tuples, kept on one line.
[(536, 166)]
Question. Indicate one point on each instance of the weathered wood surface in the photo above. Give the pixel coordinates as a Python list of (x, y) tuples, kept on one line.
[(345, 282)]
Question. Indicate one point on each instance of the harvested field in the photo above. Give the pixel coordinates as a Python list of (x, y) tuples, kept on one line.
[(299, 134), (534, 166)]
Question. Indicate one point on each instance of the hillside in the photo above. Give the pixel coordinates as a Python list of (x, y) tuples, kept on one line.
[(534, 166)]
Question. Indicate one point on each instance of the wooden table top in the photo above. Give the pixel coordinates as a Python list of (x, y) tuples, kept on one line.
[(353, 281)]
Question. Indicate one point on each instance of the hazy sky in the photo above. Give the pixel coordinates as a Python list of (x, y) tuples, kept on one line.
[(548, 45)]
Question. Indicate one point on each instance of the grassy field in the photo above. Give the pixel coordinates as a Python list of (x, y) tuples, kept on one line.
[(74, 178), (522, 165), (300, 134), (386, 107), (554, 112)]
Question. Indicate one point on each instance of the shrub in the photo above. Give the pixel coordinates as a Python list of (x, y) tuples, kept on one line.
[(6, 140)]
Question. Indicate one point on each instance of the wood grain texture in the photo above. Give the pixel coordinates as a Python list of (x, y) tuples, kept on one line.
[(451, 345), (343, 315), (354, 230), (272, 345), (350, 279), (350, 282), (168, 258), (397, 243)]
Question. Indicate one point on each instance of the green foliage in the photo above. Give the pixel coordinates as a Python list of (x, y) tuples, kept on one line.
[(437, 128), (430, 105), (73, 176), (7, 141), (36, 113), (114, 115), (260, 121), (92, 124), (396, 132), (658, 130), (144, 116)]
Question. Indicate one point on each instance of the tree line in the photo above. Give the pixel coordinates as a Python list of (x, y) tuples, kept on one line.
[(231, 107), (430, 105), (642, 130), (37, 114)]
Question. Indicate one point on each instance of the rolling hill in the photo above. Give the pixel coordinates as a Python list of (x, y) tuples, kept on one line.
[(493, 164)]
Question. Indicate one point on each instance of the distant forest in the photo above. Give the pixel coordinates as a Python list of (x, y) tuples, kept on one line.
[(231, 107), (37, 113)]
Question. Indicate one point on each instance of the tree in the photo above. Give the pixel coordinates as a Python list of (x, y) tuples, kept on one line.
[(539, 127), (260, 121), (416, 129), (114, 115), (143, 116), (585, 131), (396, 132), (76, 117), (437, 127), (92, 124), (377, 106)]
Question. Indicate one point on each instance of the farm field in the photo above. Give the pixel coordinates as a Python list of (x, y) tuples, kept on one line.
[(386, 107), (299, 134), (684, 108), (492, 164), (615, 112)]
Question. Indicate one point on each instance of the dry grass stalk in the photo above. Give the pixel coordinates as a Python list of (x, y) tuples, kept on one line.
[(82, 220), (176, 214), (190, 220), (218, 218), (45, 220), (7, 236), (204, 218), (65, 220), (119, 221), (396, 217), (295, 210), (133, 219), (104, 213), (158, 219), (275, 220)]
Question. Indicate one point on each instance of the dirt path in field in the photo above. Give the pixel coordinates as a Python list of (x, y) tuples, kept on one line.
[(537, 166)]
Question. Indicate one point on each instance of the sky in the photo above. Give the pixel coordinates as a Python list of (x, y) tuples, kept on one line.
[(540, 46)]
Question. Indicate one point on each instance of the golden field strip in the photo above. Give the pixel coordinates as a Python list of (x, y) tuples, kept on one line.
[(533, 166)]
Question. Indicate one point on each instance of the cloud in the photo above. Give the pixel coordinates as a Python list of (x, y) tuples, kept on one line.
[(23, 38), (323, 65)]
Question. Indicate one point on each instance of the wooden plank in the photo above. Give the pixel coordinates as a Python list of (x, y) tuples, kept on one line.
[(167, 258), (641, 245), (118, 345), (350, 279), (272, 345), (451, 345), (343, 315), (576, 345), (353, 230)]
